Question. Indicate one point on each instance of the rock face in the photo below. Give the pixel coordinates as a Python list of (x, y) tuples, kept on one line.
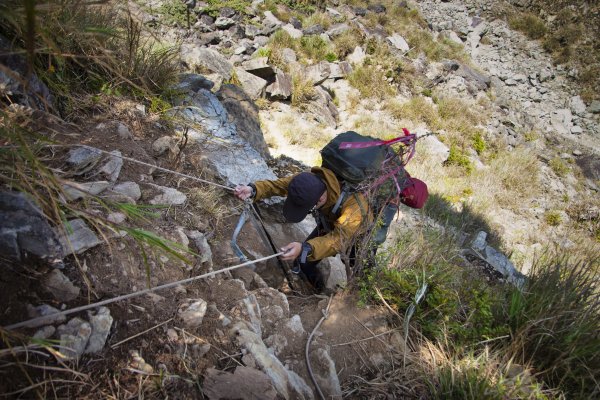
[(244, 114), (25, 231)]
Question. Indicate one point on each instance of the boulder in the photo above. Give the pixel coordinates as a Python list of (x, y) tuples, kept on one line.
[(243, 112), (357, 57), (169, 196), (224, 22), (340, 70), (317, 73), (192, 83), (398, 42), (44, 310), (322, 108), (253, 85), (293, 32), (260, 67), (594, 108), (337, 30), (281, 89), (25, 230), (481, 82), (288, 55), (199, 59), (315, 29), (327, 376), (377, 8)]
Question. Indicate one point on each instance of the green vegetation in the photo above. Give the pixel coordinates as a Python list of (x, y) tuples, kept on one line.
[(531, 25), (174, 12), (459, 158), (302, 90), (87, 49), (478, 143), (371, 83), (552, 218), (479, 333), (559, 167)]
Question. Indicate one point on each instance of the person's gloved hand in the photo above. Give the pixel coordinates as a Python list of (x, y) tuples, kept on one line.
[(292, 251), (243, 192)]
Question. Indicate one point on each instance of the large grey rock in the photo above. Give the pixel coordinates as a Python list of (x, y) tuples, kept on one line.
[(191, 312), (79, 237), (224, 22), (232, 157), (594, 108), (561, 121), (288, 55), (112, 168), (75, 191), (269, 364), (199, 59), (260, 67), (327, 378), (496, 259), (334, 272), (82, 159), (24, 230), (357, 57), (74, 337), (322, 108), (481, 82), (281, 89), (253, 85), (193, 82), (164, 144), (60, 286), (101, 322), (337, 30), (293, 32), (317, 73), (44, 310), (315, 29), (435, 149), (340, 70), (271, 22), (398, 42), (243, 113), (169, 196)]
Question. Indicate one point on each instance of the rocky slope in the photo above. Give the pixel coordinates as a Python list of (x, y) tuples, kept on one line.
[(243, 334)]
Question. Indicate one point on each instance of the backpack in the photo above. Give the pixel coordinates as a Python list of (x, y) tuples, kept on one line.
[(369, 165)]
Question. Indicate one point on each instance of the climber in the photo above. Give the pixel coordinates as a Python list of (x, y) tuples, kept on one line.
[(318, 191)]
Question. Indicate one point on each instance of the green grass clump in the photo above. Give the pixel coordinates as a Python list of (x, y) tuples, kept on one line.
[(315, 48), (552, 218), (478, 143), (345, 43), (459, 158), (303, 90), (215, 5), (559, 167), (78, 48), (371, 83), (174, 12), (531, 25)]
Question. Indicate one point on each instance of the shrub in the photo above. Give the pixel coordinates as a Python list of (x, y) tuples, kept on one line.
[(345, 43), (174, 12), (531, 25), (459, 158), (478, 143), (315, 47)]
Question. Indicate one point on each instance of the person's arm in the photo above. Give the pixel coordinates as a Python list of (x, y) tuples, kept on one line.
[(266, 189), (345, 228)]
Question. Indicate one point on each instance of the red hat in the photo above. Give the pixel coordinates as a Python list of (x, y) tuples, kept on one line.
[(415, 194)]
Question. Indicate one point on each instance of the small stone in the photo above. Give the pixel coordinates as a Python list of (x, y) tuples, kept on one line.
[(44, 333), (74, 337), (80, 237), (112, 168), (169, 196), (172, 335), (129, 189), (44, 310), (75, 191), (192, 312), (576, 130), (60, 286), (577, 153), (123, 131), (101, 322)]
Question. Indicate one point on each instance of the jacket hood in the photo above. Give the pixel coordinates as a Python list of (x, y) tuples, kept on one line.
[(333, 186)]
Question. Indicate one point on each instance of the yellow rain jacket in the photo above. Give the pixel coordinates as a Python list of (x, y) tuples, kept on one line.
[(354, 215)]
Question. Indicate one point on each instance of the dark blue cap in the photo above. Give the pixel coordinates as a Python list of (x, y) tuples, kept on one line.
[(304, 192)]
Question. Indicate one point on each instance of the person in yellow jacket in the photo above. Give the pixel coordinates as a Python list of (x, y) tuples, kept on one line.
[(316, 191)]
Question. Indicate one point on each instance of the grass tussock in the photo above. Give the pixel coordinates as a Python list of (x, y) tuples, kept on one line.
[(371, 82), (303, 90), (345, 43), (78, 48)]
